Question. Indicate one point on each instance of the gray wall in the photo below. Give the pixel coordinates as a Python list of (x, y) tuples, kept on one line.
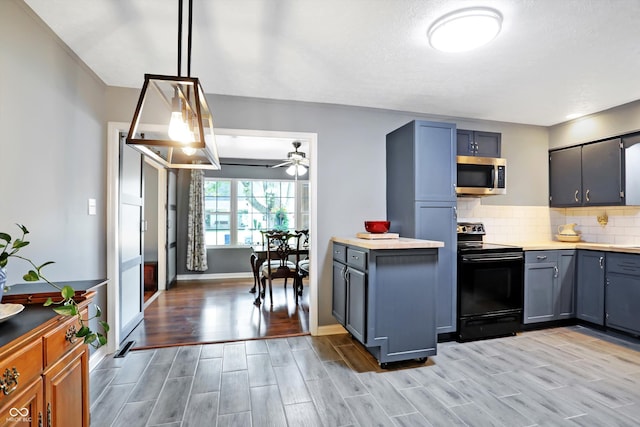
[(613, 122), (52, 149)]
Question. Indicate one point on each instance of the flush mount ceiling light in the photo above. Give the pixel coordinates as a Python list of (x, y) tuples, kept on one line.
[(189, 141), (465, 29)]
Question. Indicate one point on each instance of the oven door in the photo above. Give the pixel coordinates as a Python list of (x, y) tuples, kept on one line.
[(490, 283)]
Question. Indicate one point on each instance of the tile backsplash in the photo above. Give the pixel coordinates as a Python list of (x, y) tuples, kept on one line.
[(540, 223)]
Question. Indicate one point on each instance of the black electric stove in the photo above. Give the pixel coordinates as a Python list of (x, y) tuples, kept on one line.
[(490, 285)]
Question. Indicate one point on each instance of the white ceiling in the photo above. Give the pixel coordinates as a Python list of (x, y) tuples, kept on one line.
[(552, 58)]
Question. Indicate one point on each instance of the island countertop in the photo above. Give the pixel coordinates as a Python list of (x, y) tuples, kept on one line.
[(398, 243)]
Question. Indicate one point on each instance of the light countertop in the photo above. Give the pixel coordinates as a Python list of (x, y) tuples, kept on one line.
[(554, 244), (399, 243)]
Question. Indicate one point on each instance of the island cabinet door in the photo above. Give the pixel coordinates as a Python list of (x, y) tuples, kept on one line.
[(67, 390), (356, 303), (339, 292)]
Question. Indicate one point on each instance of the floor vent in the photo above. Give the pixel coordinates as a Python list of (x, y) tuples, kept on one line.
[(124, 350)]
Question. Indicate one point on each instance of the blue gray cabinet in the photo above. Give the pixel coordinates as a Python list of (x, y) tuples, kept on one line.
[(590, 286), (339, 305), (587, 175), (421, 199), (549, 285), (478, 143), (623, 292), (389, 300), (421, 163)]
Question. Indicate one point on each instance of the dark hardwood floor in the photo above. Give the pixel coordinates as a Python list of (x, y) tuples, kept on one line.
[(210, 311)]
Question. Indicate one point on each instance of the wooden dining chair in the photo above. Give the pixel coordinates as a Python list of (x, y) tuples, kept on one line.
[(281, 246)]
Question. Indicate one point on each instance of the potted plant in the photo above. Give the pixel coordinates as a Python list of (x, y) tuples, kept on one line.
[(67, 306)]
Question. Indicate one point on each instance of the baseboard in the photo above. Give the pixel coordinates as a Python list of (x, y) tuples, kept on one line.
[(330, 330), (215, 276), (97, 357)]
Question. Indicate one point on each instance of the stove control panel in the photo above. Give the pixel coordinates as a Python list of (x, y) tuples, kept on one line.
[(471, 228)]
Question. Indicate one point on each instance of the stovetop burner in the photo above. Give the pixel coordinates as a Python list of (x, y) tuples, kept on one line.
[(471, 240)]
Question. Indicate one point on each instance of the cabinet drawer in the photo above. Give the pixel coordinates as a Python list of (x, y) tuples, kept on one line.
[(357, 258), (339, 253), (536, 257), (623, 263), (18, 369), (62, 339)]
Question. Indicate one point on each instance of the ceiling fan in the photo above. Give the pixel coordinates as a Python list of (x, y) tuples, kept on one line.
[(297, 161)]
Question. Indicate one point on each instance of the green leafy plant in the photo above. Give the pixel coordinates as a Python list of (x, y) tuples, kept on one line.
[(67, 306)]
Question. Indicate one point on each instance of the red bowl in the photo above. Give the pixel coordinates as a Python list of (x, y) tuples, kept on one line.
[(377, 226)]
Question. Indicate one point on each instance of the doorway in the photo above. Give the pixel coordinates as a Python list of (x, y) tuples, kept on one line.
[(164, 222)]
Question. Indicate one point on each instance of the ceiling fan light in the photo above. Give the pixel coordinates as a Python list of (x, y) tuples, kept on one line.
[(301, 170), (291, 170), (465, 29)]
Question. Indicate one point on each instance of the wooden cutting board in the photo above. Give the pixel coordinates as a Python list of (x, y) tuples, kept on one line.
[(372, 236)]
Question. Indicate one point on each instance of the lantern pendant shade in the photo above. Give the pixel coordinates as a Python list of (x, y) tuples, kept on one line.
[(191, 144)]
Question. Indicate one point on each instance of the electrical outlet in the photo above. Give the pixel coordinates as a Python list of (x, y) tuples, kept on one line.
[(92, 206)]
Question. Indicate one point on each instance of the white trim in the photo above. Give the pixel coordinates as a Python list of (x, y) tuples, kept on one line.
[(97, 357), (212, 276), (330, 330)]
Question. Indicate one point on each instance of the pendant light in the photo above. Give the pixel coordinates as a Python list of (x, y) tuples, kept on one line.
[(188, 140)]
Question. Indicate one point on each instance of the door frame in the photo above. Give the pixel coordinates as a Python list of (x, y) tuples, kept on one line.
[(113, 244)]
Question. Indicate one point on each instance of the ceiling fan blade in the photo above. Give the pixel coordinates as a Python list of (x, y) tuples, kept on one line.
[(281, 164), (304, 162)]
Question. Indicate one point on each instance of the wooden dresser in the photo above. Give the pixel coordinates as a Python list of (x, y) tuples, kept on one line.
[(44, 368)]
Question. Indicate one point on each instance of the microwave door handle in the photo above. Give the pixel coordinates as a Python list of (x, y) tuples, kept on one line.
[(493, 178)]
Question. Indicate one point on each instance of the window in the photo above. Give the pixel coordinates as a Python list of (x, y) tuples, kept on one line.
[(237, 210)]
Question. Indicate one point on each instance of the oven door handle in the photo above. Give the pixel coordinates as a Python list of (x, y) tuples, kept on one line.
[(493, 259)]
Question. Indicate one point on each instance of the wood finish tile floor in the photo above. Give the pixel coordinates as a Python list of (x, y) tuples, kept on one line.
[(207, 311), (569, 376)]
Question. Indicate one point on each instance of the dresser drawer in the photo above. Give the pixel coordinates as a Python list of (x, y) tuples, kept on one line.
[(18, 369), (536, 257), (62, 339), (623, 263), (357, 258), (339, 252)]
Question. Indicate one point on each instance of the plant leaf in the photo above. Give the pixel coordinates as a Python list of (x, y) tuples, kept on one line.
[(98, 311), (19, 243), (67, 292), (48, 302), (105, 326), (31, 276), (45, 264), (5, 237), (102, 340), (83, 332), (23, 228), (65, 310), (90, 338)]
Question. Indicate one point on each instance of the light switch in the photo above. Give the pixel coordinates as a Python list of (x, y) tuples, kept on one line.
[(92, 206)]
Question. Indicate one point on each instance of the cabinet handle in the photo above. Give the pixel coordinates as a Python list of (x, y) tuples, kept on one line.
[(70, 335), (455, 212), (586, 195), (575, 196), (555, 271), (541, 257), (355, 257), (601, 262), (9, 381)]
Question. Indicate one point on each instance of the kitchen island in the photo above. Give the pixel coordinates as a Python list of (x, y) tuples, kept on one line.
[(384, 294)]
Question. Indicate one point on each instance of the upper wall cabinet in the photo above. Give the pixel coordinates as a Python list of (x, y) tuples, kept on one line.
[(587, 175), (478, 143)]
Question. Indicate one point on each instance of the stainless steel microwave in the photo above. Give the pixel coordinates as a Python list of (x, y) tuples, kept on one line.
[(481, 176)]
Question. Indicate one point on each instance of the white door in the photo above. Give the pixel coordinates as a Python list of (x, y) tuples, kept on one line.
[(131, 259)]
